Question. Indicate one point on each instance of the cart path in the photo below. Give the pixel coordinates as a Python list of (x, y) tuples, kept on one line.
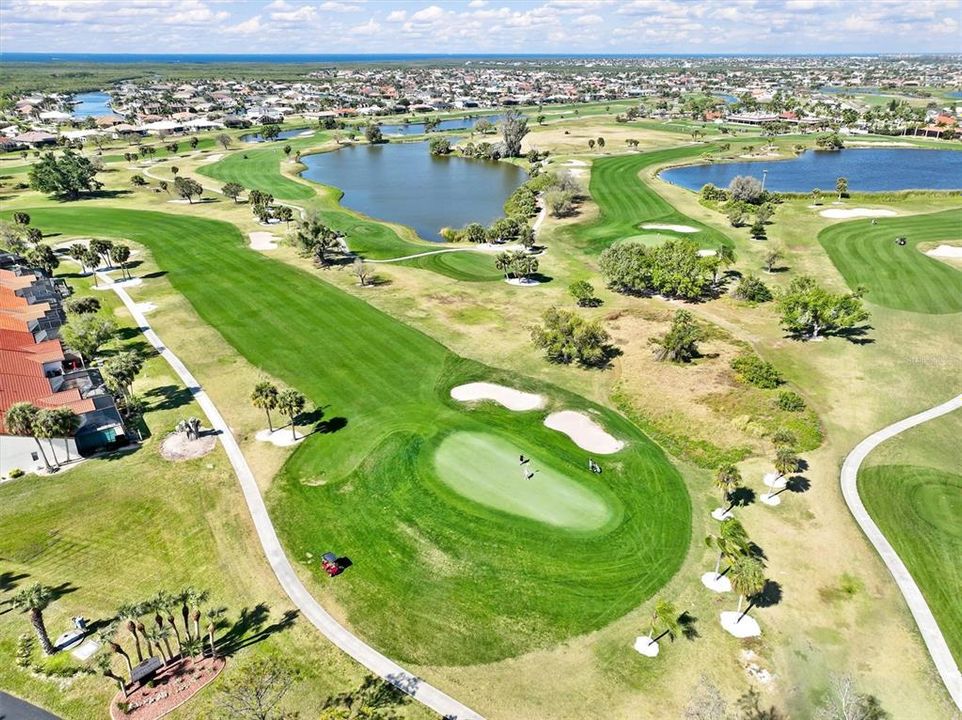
[(928, 627), (367, 656)]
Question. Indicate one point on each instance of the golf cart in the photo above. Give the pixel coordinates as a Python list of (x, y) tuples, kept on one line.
[(332, 566)]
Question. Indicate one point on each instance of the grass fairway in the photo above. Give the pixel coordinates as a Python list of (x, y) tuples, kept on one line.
[(259, 169), (466, 266), (626, 201), (486, 469), (898, 276), (919, 510), (472, 583)]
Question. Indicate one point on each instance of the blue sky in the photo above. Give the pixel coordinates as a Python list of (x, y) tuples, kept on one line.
[(452, 26)]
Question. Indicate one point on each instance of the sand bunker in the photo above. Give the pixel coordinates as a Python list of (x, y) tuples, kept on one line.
[(213, 158), (263, 241), (584, 431), (946, 251), (177, 447), (523, 282), (673, 228), (508, 397), (281, 437), (840, 213)]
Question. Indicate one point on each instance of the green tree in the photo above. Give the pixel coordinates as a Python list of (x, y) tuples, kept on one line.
[(786, 461), (514, 126), (665, 614), (566, 337), (34, 600), (583, 293), (129, 614), (747, 576), (841, 187), (816, 196), (21, 218), (232, 190), (731, 542), (86, 334), (21, 420), (121, 369), (474, 232), (373, 134), (287, 151), (256, 690), (291, 403), (680, 343), (751, 289), (727, 478), (264, 396), (67, 176), (312, 237), (119, 255), (187, 188), (83, 305), (102, 661), (43, 257), (270, 131), (807, 309), (440, 146)]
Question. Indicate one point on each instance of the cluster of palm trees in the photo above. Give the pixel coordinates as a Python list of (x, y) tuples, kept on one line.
[(100, 251), (745, 570), (290, 402), (517, 264), (27, 420)]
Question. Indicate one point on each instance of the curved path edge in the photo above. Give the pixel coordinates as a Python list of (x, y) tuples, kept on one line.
[(928, 627), (367, 656)]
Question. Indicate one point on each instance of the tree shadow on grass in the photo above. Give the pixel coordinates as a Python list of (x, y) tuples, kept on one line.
[(687, 622), (770, 595), (798, 484), (155, 274), (741, 497), (251, 628), (168, 397)]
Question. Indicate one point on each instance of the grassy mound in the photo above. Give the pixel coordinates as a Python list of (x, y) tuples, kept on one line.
[(918, 509), (898, 276), (471, 583)]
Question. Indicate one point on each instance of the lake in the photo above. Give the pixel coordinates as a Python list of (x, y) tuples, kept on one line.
[(282, 135), (417, 128), (867, 170), (94, 104), (403, 183)]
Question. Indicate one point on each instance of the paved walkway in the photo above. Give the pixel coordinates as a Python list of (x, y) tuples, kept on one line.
[(934, 640), (367, 656), (13, 708)]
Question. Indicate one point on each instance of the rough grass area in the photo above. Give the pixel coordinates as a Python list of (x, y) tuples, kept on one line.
[(363, 484), (919, 510), (898, 276)]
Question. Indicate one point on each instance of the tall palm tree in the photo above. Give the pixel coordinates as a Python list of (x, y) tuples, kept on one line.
[(166, 604), (78, 253), (731, 543), (46, 427), (504, 263), (129, 614), (214, 617), (66, 422), (153, 636), (291, 404), (103, 664), (747, 576), (106, 637), (183, 598), (21, 420), (666, 614), (198, 598), (34, 600), (264, 397), (727, 478)]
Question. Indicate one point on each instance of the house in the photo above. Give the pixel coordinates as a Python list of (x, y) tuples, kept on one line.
[(35, 367), (36, 138)]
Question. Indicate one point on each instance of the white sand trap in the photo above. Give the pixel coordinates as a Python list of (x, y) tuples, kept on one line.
[(306, 133), (842, 213), (145, 307), (508, 397), (713, 582), (523, 282), (774, 480), (577, 163), (213, 158), (946, 251), (673, 228), (707, 253), (584, 431), (721, 514), (280, 437), (120, 283), (263, 241), (180, 201), (745, 628), (644, 646)]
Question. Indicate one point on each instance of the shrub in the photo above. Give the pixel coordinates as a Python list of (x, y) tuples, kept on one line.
[(24, 649), (712, 193), (751, 289), (584, 293), (746, 189), (755, 371), (15, 473), (566, 337), (790, 401)]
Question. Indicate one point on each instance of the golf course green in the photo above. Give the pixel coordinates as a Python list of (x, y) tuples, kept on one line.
[(626, 201), (473, 582), (898, 276), (918, 508)]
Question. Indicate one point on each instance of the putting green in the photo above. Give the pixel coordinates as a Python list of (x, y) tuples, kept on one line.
[(486, 469)]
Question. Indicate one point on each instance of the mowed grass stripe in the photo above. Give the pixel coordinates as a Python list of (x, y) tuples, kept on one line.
[(918, 508), (471, 583), (898, 276)]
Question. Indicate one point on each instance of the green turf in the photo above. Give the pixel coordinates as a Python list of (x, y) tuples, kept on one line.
[(920, 511), (258, 169), (471, 583), (898, 276), (626, 201), (466, 266), (486, 469)]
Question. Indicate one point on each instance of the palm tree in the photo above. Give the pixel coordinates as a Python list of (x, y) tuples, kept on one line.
[(21, 419), (45, 427), (184, 597), (264, 397), (66, 422), (291, 404), (129, 613), (120, 254), (731, 543), (34, 600), (727, 478), (214, 616), (154, 637), (747, 576), (667, 614), (106, 637), (197, 598), (165, 604), (841, 187), (78, 253), (786, 461), (103, 664), (504, 262), (725, 256)]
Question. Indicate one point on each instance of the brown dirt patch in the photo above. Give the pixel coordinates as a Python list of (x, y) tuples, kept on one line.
[(173, 686), (177, 448)]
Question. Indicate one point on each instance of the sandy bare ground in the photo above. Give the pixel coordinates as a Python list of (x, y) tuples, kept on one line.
[(946, 251), (843, 213), (177, 447), (508, 397), (212, 158), (523, 282), (281, 437), (585, 432), (673, 228), (263, 241)]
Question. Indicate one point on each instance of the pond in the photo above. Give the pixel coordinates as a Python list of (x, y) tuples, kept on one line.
[(93, 104), (403, 183), (282, 135), (867, 170), (417, 128)]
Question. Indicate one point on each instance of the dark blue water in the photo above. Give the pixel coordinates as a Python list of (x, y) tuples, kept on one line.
[(868, 170), (282, 135), (956, 95), (405, 184), (93, 104), (730, 99), (417, 128)]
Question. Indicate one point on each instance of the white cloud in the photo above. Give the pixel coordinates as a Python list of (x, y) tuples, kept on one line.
[(477, 3), (341, 7), (397, 16), (428, 14), (589, 20), (247, 27), (371, 27)]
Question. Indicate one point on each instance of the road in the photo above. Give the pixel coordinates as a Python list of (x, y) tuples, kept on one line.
[(931, 634), (12, 708), (367, 656)]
